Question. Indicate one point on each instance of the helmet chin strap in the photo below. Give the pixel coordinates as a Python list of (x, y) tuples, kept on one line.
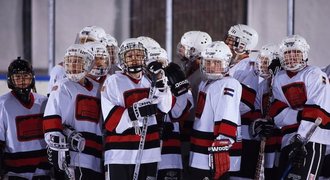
[(23, 94)]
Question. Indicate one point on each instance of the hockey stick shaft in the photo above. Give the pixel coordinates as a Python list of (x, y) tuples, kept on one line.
[(261, 157), (309, 134), (143, 133)]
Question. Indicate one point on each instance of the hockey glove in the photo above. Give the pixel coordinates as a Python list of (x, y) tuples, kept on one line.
[(219, 161), (154, 67), (262, 127), (274, 66), (298, 153), (57, 150), (75, 139), (141, 109), (176, 79)]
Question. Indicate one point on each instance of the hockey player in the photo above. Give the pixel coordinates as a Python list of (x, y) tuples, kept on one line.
[(301, 94), (72, 122), (267, 65), (241, 39), (170, 167), (129, 102), (101, 66), (21, 135), (189, 48), (217, 115), (86, 34), (112, 46)]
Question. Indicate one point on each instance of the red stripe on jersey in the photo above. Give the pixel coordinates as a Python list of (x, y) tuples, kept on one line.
[(94, 145), (52, 123), (236, 146), (184, 116), (251, 115), (226, 129), (311, 112), (172, 142), (289, 129), (276, 107), (201, 142), (173, 101), (26, 161), (248, 96), (271, 141), (131, 138), (113, 118)]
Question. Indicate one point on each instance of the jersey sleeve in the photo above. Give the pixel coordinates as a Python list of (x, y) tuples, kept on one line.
[(227, 115), (182, 107), (115, 114)]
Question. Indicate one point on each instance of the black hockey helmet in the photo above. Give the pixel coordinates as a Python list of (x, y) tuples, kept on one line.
[(20, 66)]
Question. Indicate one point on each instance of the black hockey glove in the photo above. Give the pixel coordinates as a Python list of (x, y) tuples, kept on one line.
[(166, 130), (154, 67), (58, 151), (262, 127), (274, 66), (176, 79), (298, 153), (141, 109)]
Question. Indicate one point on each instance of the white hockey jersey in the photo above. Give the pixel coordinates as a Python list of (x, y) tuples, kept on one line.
[(74, 105), (299, 100), (21, 136), (171, 147), (119, 92), (56, 74), (217, 115)]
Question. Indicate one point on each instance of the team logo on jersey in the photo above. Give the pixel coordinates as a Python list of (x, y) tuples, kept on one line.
[(200, 104), (296, 94), (228, 91), (135, 95), (29, 127), (88, 108)]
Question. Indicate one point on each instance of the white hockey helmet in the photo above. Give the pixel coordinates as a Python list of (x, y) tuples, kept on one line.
[(101, 59), (132, 55), (78, 61), (267, 53), (192, 43), (90, 33), (157, 54), (112, 46), (294, 53), (215, 60), (148, 42), (241, 38)]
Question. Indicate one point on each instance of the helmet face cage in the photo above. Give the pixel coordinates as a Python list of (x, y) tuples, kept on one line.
[(78, 61), (113, 54), (241, 38), (215, 68), (132, 55), (20, 77), (267, 53), (294, 53), (261, 66), (215, 60), (101, 62)]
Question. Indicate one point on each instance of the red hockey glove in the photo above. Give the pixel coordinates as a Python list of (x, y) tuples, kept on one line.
[(219, 161)]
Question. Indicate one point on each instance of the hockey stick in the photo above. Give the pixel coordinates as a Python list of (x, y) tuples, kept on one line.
[(143, 133), (309, 134)]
